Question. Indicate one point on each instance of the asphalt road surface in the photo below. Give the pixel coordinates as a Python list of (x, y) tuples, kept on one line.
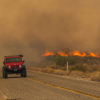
[(41, 86)]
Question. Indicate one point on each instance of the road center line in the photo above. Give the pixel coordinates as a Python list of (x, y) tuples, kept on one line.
[(75, 91)]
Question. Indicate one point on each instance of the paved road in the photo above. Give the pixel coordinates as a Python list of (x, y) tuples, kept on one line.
[(33, 88)]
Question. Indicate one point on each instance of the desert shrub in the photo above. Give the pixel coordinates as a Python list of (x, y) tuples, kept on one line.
[(90, 57), (76, 73), (54, 58), (63, 68), (42, 69), (95, 76), (62, 60), (52, 71), (92, 69), (84, 60), (53, 66), (79, 67), (59, 60), (71, 60)]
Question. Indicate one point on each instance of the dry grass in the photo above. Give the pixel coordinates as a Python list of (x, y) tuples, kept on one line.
[(45, 70), (50, 70), (61, 72), (77, 74), (34, 68), (95, 76)]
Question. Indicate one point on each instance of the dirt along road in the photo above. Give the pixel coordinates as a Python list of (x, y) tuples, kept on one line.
[(43, 86)]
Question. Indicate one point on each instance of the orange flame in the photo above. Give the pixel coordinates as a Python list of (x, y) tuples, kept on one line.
[(73, 53), (48, 53)]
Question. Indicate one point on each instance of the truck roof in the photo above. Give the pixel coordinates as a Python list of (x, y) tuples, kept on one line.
[(15, 56)]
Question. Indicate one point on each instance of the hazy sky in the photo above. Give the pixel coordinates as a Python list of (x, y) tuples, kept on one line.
[(29, 27)]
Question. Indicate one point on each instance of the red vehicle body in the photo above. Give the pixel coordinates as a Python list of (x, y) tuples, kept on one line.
[(13, 65)]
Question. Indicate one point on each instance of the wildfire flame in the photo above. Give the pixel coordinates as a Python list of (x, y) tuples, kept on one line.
[(72, 53)]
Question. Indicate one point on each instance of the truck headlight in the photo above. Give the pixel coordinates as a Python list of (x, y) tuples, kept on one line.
[(20, 66), (9, 67)]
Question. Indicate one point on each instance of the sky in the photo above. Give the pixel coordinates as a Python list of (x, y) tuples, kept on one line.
[(29, 27)]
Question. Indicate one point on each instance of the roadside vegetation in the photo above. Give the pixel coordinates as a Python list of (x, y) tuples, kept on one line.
[(78, 67)]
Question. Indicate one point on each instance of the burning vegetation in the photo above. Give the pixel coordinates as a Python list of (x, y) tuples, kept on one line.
[(71, 53), (73, 57)]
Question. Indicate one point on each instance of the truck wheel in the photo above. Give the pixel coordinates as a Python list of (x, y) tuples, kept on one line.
[(21, 75), (5, 74), (24, 73)]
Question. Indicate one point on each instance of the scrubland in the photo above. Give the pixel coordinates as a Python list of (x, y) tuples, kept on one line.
[(78, 67)]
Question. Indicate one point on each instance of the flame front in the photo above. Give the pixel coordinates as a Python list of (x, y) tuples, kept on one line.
[(48, 53), (73, 53)]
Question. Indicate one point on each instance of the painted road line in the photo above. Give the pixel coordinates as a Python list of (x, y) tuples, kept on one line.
[(75, 91), (3, 95)]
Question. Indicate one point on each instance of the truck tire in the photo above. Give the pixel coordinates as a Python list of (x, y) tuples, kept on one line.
[(24, 74), (5, 74), (21, 75)]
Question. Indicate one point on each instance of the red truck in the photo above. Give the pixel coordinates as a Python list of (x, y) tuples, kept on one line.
[(13, 65)]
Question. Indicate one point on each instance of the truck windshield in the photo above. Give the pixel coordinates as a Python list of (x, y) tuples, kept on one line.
[(13, 59)]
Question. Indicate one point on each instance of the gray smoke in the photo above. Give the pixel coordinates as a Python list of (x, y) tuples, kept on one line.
[(29, 27)]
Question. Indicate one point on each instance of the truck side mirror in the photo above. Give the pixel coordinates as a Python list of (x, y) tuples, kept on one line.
[(4, 63), (23, 61)]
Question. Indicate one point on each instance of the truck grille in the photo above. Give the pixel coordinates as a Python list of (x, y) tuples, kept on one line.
[(14, 66)]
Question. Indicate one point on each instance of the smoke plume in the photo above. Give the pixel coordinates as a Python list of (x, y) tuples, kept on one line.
[(29, 27)]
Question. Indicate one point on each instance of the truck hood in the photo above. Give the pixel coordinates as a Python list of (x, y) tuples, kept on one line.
[(14, 63)]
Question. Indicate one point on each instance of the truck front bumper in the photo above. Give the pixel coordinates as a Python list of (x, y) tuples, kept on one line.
[(13, 70)]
